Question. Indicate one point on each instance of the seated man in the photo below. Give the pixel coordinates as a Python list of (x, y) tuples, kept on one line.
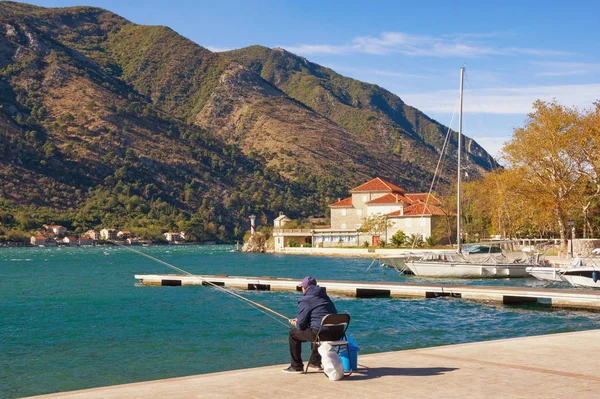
[(312, 307)]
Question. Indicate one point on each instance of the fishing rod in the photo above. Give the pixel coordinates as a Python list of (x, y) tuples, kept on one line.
[(252, 303)]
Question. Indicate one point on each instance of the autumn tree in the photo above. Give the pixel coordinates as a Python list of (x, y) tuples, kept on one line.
[(588, 140), (546, 156)]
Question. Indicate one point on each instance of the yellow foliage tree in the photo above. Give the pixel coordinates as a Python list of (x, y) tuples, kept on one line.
[(547, 159)]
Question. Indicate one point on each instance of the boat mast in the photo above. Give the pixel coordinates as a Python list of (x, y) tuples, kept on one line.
[(460, 114)]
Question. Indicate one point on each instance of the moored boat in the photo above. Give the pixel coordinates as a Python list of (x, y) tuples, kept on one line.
[(553, 274), (457, 266)]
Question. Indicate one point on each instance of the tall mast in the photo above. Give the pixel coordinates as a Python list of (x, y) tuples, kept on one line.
[(462, 74)]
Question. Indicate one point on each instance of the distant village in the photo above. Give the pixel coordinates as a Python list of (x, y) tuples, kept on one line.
[(56, 235)]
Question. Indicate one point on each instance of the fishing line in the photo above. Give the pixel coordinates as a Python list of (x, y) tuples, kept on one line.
[(250, 302)]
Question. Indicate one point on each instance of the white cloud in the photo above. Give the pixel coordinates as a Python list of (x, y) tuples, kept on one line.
[(552, 69), (504, 100), (361, 72), (421, 45)]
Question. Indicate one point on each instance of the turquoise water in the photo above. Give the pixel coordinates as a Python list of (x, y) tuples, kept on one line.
[(74, 318)]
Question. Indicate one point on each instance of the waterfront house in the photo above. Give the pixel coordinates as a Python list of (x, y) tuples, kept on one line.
[(56, 229), (123, 234), (38, 240), (174, 237), (133, 241), (108, 234), (47, 234), (70, 240), (403, 211), (85, 241), (93, 234), (413, 213)]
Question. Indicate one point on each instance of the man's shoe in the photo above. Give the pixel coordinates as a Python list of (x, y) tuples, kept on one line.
[(291, 369), (315, 366)]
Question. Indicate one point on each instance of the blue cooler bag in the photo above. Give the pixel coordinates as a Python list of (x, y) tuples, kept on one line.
[(352, 357)]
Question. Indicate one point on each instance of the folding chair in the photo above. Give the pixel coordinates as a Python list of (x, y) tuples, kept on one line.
[(332, 320)]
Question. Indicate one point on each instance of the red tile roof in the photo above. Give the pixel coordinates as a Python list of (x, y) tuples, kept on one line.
[(345, 203), (420, 209), (378, 184), (390, 199), (422, 197)]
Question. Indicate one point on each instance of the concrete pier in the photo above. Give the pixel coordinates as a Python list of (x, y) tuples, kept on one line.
[(549, 366), (563, 298)]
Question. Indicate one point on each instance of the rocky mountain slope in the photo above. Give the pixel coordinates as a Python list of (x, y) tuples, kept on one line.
[(103, 121)]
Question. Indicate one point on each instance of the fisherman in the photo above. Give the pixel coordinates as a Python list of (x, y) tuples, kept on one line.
[(312, 307)]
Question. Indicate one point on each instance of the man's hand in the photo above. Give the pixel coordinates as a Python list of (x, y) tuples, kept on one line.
[(293, 322)]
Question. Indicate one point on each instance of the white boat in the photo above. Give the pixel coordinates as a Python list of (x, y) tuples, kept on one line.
[(580, 273), (459, 265), (582, 276), (553, 274)]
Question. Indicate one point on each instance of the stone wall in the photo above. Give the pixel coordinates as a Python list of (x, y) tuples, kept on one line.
[(583, 246)]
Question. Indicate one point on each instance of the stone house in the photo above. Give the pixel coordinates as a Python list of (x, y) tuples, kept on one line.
[(108, 234), (70, 240), (56, 229), (93, 234), (38, 240), (85, 241), (413, 213), (174, 237), (123, 234)]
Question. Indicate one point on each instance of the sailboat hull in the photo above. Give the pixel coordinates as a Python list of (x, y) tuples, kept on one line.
[(466, 270), (546, 273)]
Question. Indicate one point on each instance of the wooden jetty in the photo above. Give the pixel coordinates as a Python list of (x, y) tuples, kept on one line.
[(563, 298)]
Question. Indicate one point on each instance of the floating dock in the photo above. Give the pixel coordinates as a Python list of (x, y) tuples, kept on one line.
[(562, 298), (547, 366)]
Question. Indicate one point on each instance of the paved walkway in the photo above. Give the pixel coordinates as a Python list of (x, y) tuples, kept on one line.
[(549, 366)]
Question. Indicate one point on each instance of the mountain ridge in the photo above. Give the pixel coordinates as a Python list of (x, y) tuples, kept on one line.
[(97, 110)]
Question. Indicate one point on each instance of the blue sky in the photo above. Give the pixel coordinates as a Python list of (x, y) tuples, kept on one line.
[(514, 51)]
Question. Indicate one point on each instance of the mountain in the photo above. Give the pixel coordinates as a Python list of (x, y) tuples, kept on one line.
[(105, 122)]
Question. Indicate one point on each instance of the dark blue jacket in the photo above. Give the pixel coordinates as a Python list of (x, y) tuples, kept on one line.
[(312, 307)]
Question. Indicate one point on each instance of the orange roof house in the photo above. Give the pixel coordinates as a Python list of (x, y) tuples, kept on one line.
[(380, 197)]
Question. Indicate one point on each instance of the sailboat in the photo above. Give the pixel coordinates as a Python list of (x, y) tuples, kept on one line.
[(457, 265)]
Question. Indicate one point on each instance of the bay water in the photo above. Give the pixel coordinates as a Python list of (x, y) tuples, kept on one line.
[(76, 318)]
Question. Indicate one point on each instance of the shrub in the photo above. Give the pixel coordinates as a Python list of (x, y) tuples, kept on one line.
[(431, 241), (399, 238)]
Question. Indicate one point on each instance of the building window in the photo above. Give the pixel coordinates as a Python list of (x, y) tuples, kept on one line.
[(422, 222), (343, 212), (364, 198), (343, 225)]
